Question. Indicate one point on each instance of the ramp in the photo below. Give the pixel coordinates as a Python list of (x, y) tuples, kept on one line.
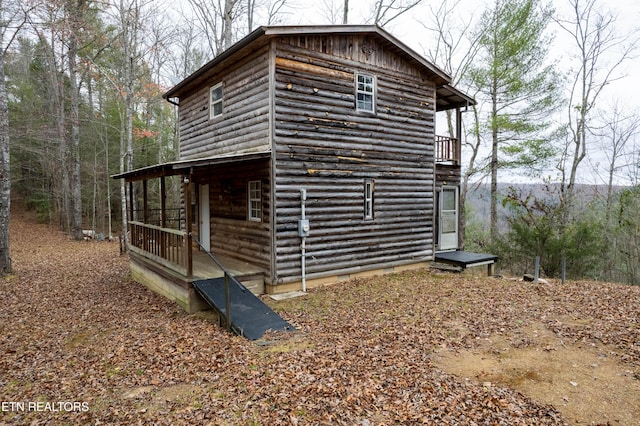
[(250, 316)]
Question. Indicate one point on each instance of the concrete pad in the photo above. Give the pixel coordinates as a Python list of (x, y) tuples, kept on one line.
[(290, 295)]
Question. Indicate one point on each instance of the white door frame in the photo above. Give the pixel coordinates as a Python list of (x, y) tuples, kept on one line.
[(448, 220), (204, 217)]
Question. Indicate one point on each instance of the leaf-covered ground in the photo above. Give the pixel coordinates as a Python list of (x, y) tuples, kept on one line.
[(367, 352)]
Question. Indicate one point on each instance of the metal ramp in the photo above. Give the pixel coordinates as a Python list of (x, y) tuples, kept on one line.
[(250, 316)]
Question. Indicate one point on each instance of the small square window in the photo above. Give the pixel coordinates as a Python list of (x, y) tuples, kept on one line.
[(365, 91), (368, 199), (255, 201), (215, 107)]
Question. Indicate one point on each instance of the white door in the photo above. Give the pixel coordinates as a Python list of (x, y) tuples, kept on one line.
[(448, 218), (204, 225)]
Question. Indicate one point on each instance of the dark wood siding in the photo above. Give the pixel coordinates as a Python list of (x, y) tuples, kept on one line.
[(447, 175), (231, 232), (323, 145), (244, 123)]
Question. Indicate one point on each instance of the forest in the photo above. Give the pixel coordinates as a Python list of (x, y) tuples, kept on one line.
[(81, 84)]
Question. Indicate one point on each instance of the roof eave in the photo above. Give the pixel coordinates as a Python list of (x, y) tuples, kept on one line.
[(254, 35), (441, 78)]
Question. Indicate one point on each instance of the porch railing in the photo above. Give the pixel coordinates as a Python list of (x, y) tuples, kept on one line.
[(163, 245), (447, 150)]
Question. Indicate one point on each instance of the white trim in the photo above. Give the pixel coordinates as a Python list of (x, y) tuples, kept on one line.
[(254, 215), (213, 104), (368, 199), (365, 91), (448, 240)]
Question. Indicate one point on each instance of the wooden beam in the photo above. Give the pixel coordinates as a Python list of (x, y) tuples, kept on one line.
[(131, 216), (163, 202), (145, 201), (186, 184), (292, 65)]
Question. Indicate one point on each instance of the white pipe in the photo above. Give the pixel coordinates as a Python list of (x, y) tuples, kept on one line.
[(303, 255), (304, 279)]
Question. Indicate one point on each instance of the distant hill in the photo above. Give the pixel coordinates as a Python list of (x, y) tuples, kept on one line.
[(479, 196)]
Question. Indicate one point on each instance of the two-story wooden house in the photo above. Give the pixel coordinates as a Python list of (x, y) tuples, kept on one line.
[(308, 155)]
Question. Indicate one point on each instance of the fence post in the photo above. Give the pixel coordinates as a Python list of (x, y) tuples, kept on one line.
[(564, 268), (536, 270)]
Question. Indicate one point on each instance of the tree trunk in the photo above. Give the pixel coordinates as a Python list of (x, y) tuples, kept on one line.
[(494, 172), (5, 178), (75, 12), (58, 105), (345, 14), (228, 23)]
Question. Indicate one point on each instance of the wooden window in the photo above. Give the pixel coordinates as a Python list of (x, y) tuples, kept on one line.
[(215, 101), (368, 199), (365, 93), (255, 201)]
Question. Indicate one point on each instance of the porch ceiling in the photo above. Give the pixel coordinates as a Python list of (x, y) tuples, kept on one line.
[(186, 167), (448, 97)]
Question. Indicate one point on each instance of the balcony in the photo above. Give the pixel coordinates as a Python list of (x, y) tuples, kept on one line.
[(447, 151)]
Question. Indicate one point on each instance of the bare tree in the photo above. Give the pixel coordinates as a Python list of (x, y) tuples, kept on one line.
[(616, 136), (600, 52), (48, 21), (386, 11), (275, 10), (216, 21), (345, 12), (335, 11), (12, 19), (75, 10), (126, 74)]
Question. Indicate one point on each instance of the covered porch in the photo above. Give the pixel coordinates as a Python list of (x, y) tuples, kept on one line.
[(166, 224)]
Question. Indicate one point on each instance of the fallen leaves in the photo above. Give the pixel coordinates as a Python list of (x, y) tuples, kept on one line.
[(76, 328)]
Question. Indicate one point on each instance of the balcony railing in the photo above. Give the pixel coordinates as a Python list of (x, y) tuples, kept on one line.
[(163, 245), (447, 150)]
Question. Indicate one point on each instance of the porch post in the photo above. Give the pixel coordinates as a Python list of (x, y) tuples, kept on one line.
[(163, 202), (458, 162), (458, 146), (187, 212), (131, 210), (145, 201), (163, 215)]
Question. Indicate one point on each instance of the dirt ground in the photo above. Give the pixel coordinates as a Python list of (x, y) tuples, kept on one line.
[(83, 344), (588, 383)]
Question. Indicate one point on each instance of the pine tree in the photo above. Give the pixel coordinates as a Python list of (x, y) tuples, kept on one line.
[(520, 90)]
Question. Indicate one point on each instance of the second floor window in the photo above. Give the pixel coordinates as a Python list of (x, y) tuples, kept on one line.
[(365, 91), (215, 101)]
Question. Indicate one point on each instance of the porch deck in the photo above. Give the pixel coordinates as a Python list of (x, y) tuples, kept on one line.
[(205, 268), (465, 259), (167, 279)]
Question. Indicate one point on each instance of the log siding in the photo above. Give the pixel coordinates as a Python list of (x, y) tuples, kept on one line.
[(243, 125), (322, 144), (232, 233)]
